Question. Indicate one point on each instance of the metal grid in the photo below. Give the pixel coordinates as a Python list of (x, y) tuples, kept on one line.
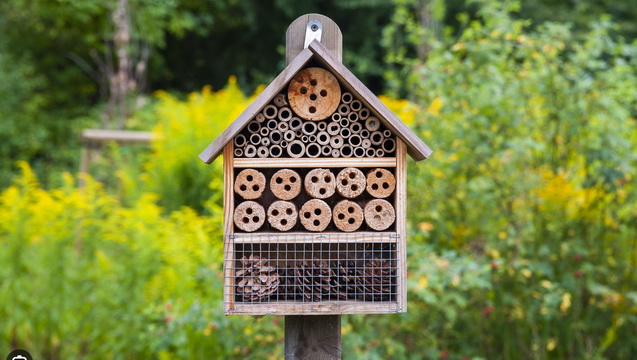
[(356, 270)]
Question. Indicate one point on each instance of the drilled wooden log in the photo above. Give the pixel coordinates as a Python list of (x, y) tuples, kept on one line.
[(350, 182), (380, 183), (389, 145), (250, 184), (285, 184), (280, 100), (249, 216), (315, 215), (314, 93), (379, 214), (320, 183), (348, 216), (282, 215), (296, 149), (372, 123)]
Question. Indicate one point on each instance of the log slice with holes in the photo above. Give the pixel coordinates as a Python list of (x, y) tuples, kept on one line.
[(314, 94), (315, 215), (380, 183), (348, 216), (320, 183), (250, 184), (350, 182), (249, 216), (379, 214), (285, 184), (282, 215)]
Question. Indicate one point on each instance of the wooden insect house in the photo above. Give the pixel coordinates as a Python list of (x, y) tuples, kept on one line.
[(315, 193)]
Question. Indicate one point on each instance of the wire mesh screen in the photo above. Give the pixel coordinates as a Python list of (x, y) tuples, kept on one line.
[(355, 270)]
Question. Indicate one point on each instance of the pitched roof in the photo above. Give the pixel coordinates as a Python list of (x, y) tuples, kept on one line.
[(416, 148)]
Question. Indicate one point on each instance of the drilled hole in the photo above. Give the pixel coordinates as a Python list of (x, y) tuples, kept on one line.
[(385, 185), (327, 179), (351, 221), (377, 217), (312, 109), (307, 215), (249, 178), (379, 208), (314, 179), (287, 188), (313, 97), (350, 209), (341, 216), (379, 174), (317, 212), (284, 222), (289, 211), (374, 186), (352, 175), (255, 219), (278, 180), (303, 90), (344, 182), (316, 223), (293, 179), (322, 191), (323, 93), (245, 220), (255, 187), (275, 212), (249, 211), (313, 82), (354, 187), (243, 188)]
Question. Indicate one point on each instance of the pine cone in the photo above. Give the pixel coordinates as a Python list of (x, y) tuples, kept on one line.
[(344, 280), (314, 279), (287, 287), (375, 280), (256, 281)]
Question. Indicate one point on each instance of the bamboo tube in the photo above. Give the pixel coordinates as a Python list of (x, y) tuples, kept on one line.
[(315, 215), (369, 152), (283, 144), (320, 183), (264, 131), (359, 152), (345, 133), (283, 127), (250, 184), (250, 151), (355, 105), (296, 149), (238, 152), (380, 153), (372, 123), (347, 151), (288, 135), (262, 151), (240, 140), (272, 124), (249, 216), (282, 215), (380, 183), (366, 143), (265, 141), (260, 118), (365, 134), (298, 134), (311, 138), (356, 128), (295, 123), (253, 127), (270, 111), (286, 184), (350, 182), (313, 150), (321, 126), (323, 138), (255, 139), (309, 128), (326, 150), (336, 141), (305, 139), (363, 114), (389, 145), (285, 114), (280, 100), (333, 128), (377, 138), (348, 216), (344, 122), (379, 214), (387, 133), (336, 153), (347, 97), (353, 116), (275, 137), (276, 151), (336, 117), (344, 110), (354, 140)]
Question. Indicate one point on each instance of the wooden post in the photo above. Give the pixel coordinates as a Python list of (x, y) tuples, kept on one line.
[(312, 337)]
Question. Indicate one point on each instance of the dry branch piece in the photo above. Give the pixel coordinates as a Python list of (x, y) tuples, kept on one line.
[(336, 153), (272, 124), (270, 111), (359, 152), (315, 215), (350, 182), (379, 214), (249, 184), (314, 94), (256, 281), (280, 100), (282, 215), (285, 114), (314, 279), (333, 128), (365, 134), (345, 133), (377, 138), (311, 138), (260, 118), (348, 216), (344, 122), (305, 139), (276, 151), (374, 280), (356, 128), (323, 138), (296, 149), (366, 144), (352, 117), (255, 139), (347, 98), (389, 145), (249, 216), (372, 123), (380, 183), (265, 142), (288, 135), (320, 183), (283, 127), (283, 144), (336, 141), (240, 140), (380, 153), (262, 151), (295, 123), (250, 151), (285, 184), (238, 152)]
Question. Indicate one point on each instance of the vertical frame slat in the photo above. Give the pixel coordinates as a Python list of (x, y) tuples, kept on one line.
[(228, 226), (401, 221)]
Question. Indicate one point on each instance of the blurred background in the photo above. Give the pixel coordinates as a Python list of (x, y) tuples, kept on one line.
[(522, 225)]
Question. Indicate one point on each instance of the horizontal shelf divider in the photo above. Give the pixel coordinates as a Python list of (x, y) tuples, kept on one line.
[(314, 162), (324, 237), (316, 308)]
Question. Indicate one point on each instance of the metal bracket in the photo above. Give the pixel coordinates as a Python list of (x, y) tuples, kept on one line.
[(313, 31)]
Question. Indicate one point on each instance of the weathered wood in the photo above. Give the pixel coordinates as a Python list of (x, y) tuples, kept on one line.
[(315, 162), (315, 308), (228, 225), (312, 337), (321, 238), (401, 221), (418, 150), (273, 89), (123, 136), (331, 36)]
